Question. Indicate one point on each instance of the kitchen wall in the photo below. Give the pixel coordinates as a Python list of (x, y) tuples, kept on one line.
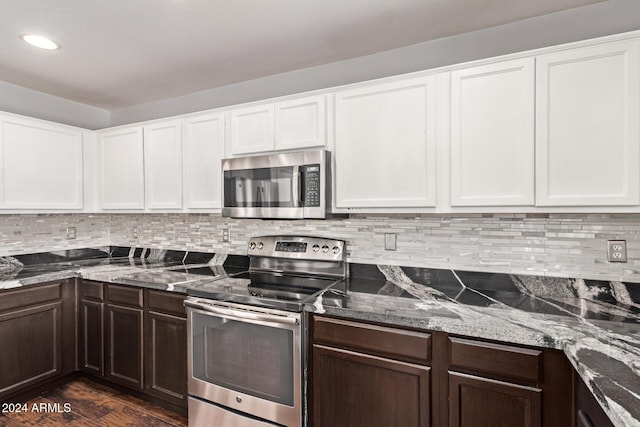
[(555, 245), (23, 234)]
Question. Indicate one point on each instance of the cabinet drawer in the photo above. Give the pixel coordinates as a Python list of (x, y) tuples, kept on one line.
[(166, 302), (93, 290), (29, 296), (378, 340), (125, 295), (497, 360)]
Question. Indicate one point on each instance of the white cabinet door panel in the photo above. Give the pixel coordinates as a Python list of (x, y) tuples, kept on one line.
[(121, 175), (385, 145), (41, 165), (300, 123), (492, 134), (163, 165), (587, 120), (203, 153), (252, 129)]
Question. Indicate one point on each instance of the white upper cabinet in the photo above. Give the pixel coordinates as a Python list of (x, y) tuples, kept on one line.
[(385, 145), (163, 165), (300, 123), (252, 129), (492, 134), (42, 166), (587, 120), (121, 169), (285, 125), (203, 152)]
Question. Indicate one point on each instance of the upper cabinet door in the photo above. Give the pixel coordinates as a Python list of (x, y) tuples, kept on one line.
[(587, 119), (121, 169), (203, 153), (492, 134), (385, 145), (252, 129), (41, 165), (300, 123), (163, 165)]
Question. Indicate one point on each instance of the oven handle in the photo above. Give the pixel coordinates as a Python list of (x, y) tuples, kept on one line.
[(241, 315)]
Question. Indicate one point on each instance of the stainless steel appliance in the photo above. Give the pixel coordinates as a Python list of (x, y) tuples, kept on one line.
[(247, 358), (287, 185)]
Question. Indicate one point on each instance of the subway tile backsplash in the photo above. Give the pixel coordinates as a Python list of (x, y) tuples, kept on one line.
[(555, 245)]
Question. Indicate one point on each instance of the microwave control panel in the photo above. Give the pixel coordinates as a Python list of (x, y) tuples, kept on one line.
[(311, 185)]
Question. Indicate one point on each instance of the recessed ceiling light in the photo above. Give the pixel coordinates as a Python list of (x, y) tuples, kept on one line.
[(40, 41)]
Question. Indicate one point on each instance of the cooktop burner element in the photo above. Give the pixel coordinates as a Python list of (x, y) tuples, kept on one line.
[(285, 272)]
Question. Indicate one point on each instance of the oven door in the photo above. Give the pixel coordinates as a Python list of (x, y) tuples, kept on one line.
[(247, 359)]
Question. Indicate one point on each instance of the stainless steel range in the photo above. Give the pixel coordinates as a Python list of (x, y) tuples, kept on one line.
[(247, 342)]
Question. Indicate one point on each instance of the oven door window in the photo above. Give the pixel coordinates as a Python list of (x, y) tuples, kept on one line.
[(245, 357), (262, 188)]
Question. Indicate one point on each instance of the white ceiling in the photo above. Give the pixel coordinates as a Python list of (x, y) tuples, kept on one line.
[(119, 53)]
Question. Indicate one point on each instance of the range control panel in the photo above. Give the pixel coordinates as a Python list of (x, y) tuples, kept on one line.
[(299, 247)]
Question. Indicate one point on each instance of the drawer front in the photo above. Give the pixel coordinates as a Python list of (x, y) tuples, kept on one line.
[(29, 295), (125, 295), (166, 302), (500, 361), (399, 344), (91, 290)]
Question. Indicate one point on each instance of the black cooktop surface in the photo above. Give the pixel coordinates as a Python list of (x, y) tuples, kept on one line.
[(274, 290)]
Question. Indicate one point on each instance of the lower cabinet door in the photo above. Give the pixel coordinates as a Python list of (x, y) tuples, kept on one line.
[(481, 402), (352, 389), (91, 351), (30, 346), (166, 357), (124, 346)]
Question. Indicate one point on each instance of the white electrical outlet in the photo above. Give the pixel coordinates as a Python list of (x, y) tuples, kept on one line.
[(135, 231), (225, 235), (390, 241), (617, 250), (71, 233)]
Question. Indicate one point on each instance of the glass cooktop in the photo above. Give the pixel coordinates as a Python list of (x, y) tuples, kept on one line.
[(274, 290)]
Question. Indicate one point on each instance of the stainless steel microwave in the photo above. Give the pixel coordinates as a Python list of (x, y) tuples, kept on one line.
[(287, 185)]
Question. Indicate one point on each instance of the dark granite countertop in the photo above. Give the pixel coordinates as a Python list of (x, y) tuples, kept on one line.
[(596, 323)]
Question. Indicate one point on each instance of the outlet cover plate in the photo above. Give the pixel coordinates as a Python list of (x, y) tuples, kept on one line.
[(71, 233), (617, 250), (390, 241)]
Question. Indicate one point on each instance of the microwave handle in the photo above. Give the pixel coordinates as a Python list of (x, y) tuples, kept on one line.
[(296, 187)]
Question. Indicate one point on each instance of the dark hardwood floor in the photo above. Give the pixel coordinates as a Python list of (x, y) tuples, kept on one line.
[(86, 403)]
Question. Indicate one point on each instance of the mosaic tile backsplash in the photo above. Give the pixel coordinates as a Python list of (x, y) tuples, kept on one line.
[(554, 244)]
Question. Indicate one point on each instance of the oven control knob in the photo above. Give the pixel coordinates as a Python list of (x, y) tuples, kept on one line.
[(316, 247), (238, 399), (252, 245), (325, 248), (336, 249), (260, 245)]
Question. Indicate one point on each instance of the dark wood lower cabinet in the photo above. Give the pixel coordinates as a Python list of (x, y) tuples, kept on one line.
[(353, 389), (33, 349), (482, 402), (458, 382), (91, 337), (134, 337), (124, 350), (166, 348)]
